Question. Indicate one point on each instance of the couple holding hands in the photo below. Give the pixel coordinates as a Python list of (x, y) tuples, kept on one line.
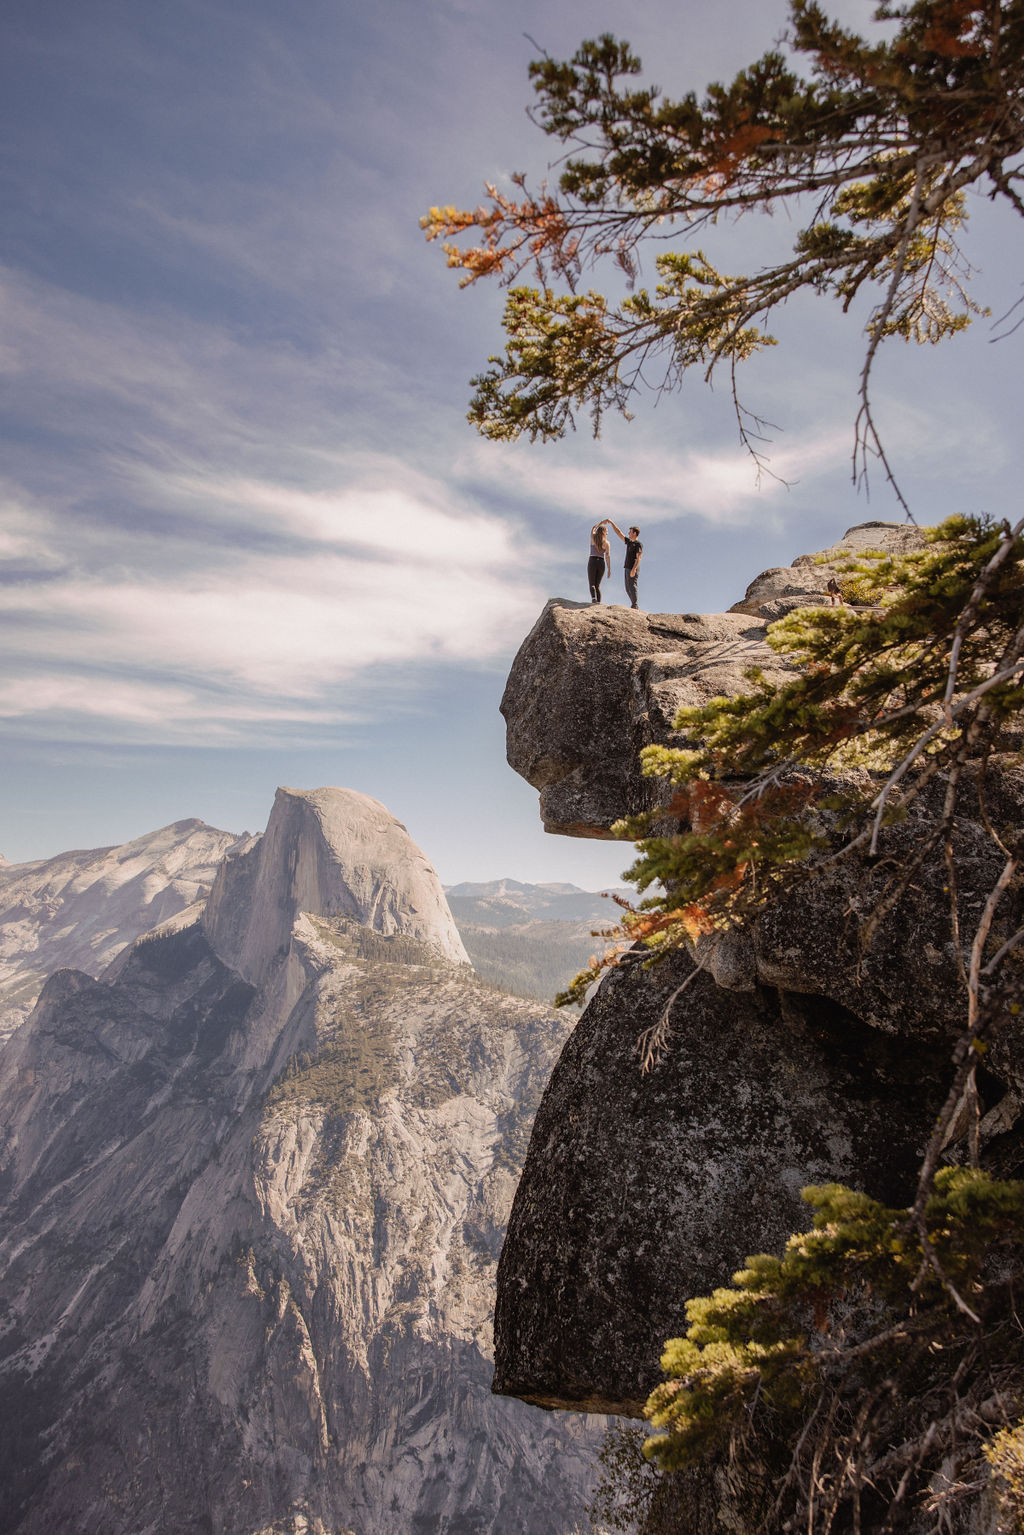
[(601, 558)]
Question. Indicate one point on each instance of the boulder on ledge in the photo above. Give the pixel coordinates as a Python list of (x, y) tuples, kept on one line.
[(803, 584), (593, 685)]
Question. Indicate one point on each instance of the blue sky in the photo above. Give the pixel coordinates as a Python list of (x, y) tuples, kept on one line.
[(246, 535)]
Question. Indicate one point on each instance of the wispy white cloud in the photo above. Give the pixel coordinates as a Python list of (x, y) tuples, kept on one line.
[(722, 485), (356, 582), (657, 485), (294, 626), (89, 706), (378, 506), (152, 380), (252, 572)]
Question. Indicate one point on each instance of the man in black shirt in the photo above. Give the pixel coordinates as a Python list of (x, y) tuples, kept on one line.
[(634, 554)]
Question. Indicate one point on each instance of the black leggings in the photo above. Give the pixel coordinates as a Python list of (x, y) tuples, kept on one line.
[(595, 570)]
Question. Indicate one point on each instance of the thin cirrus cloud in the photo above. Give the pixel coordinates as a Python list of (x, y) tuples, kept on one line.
[(87, 706), (382, 509), (161, 577), (97, 370), (238, 640), (275, 625), (721, 486), (724, 486)]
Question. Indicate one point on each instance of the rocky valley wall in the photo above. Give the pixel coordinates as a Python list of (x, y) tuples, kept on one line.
[(253, 1185), (81, 908)]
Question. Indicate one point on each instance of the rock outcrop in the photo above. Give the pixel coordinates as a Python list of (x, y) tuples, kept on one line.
[(641, 1191), (804, 583), (793, 1058), (339, 854), (80, 909), (591, 686), (251, 1204)]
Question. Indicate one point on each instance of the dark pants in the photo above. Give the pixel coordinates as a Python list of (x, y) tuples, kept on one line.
[(595, 570), (631, 588)]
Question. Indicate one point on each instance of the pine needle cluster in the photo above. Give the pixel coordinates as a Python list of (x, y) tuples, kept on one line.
[(888, 703), (845, 1368), (870, 146)]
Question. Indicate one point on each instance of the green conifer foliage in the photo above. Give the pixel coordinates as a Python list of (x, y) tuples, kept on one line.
[(846, 1367), (887, 702), (1005, 1454), (870, 147)]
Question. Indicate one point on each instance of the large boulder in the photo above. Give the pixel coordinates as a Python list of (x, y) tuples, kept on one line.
[(794, 1058), (641, 1190), (592, 685)]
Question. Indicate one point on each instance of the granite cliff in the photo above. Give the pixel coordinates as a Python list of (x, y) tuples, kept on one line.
[(592, 686), (253, 1184), (793, 1060)]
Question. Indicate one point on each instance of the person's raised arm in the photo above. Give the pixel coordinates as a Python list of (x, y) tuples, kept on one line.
[(615, 529)]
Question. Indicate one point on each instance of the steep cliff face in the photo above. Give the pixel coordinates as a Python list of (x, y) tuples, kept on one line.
[(794, 1059), (334, 852), (640, 1191), (252, 1201), (83, 908)]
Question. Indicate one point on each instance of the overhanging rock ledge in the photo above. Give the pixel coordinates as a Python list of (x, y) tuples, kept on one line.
[(592, 685), (794, 1059)]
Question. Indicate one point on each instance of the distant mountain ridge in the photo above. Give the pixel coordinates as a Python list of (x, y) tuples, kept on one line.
[(508, 902), (530, 939), (82, 907)]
